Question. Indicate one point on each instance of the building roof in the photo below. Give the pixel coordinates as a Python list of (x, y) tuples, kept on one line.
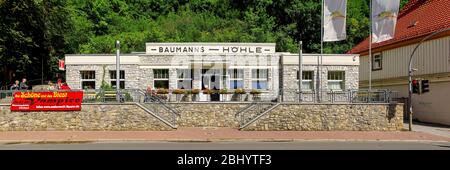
[(418, 18)]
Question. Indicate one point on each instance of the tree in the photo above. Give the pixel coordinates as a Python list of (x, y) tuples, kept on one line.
[(31, 36)]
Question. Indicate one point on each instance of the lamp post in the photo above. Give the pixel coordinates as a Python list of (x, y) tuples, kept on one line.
[(410, 70), (300, 71), (118, 71)]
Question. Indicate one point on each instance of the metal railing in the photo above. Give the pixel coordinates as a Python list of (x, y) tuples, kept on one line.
[(158, 107), (253, 112), (6, 96), (340, 96)]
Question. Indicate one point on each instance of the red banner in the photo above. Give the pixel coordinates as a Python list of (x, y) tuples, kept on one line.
[(61, 65), (47, 101)]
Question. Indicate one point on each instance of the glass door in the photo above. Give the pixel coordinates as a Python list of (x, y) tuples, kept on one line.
[(212, 80)]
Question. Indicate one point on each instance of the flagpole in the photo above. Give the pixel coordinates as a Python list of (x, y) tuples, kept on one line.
[(370, 48)]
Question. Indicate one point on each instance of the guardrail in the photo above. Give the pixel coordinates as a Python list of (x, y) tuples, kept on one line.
[(138, 95), (340, 96)]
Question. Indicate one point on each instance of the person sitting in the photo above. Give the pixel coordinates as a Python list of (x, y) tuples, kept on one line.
[(51, 86), (23, 85), (149, 94), (15, 86), (64, 86)]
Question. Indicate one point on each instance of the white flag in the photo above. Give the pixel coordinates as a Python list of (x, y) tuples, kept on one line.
[(334, 16), (384, 18)]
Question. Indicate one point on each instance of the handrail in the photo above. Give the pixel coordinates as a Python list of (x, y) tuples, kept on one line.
[(171, 123), (259, 114), (245, 108)]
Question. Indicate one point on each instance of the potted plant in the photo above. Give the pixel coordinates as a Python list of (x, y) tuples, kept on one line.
[(162, 93), (224, 92), (239, 92), (177, 92), (195, 93), (255, 93), (207, 91)]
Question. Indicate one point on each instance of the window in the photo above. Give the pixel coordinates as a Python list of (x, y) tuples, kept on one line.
[(336, 80), (377, 62), (161, 78), (112, 76), (259, 78), (87, 79), (307, 80), (184, 78), (236, 78)]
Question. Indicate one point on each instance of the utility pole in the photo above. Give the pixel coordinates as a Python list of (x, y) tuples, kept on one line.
[(118, 71)]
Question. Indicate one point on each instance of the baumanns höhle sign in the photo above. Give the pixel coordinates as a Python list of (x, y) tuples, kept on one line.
[(225, 49)]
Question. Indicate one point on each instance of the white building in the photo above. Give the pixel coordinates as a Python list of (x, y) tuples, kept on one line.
[(215, 66), (416, 20)]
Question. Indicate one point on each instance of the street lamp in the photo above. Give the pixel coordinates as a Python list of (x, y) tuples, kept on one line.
[(410, 70)]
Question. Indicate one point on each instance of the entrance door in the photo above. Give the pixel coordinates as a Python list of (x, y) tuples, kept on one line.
[(212, 79)]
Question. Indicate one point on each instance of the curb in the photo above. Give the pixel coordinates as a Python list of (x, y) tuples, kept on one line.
[(215, 140)]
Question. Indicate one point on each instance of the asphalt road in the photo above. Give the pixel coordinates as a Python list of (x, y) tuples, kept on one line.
[(287, 145)]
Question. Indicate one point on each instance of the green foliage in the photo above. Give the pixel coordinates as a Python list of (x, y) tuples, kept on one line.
[(36, 32)]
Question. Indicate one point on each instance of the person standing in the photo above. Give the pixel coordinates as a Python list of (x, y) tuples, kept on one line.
[(23, 85)]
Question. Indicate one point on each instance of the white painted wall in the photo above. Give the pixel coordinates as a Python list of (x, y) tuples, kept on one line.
[(431, 57), (327, 59), (429, 107), (100, 59)]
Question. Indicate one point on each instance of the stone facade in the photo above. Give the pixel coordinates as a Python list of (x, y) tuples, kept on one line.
[(208, 114), (290, 81), (125, 117), (132, 74), (332, 117)]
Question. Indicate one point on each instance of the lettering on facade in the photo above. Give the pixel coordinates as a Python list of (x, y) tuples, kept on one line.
[(202, 49), (181, 49)]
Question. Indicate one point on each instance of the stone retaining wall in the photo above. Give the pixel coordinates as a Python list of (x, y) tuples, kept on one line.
[(91, 118), (332, 117), (208, 114), (305, 117)]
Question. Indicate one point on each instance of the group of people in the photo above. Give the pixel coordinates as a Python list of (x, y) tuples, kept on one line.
[(20, 86), (58, 86), (24, 86)]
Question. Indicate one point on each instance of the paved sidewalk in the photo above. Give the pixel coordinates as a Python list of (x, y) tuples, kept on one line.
[(215, 134), (434, 129)]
